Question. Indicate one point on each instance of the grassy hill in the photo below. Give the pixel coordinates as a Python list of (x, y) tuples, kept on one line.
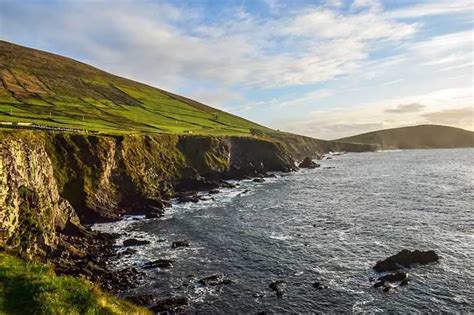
[(51, 90), (416, 137)]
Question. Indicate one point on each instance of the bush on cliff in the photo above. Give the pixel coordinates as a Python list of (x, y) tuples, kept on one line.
[(29, 288)]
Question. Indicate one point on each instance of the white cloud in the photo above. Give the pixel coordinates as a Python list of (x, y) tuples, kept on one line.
[(433, 8), (148, 42)]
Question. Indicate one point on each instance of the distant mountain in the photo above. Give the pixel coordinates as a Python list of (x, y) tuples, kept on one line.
[(416, 137)]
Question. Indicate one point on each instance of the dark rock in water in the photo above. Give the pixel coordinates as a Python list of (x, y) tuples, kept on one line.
[(394, 277), (318, 285), (180, 244), (308, 163), (188, 197), (379, 284), (279, 287), (386, 289), (405, 259), (127, 252), (214, 280), (214, 191), (227, 184), (258, 180), (170, 304), (404, 282), (135, 242), (159, 263)]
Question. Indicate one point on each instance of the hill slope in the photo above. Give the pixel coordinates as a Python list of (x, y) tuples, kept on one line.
[(51, 90), (416, 137)]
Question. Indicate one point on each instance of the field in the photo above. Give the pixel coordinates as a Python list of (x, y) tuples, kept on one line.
[(50, 90)]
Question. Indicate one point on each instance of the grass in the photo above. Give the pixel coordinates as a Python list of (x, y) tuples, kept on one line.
[(51, 90), (29, 288)]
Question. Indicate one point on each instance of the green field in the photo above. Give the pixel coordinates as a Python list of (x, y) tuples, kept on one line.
[(51, 90)]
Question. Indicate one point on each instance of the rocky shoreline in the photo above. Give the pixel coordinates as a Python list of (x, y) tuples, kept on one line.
[(84, 252)]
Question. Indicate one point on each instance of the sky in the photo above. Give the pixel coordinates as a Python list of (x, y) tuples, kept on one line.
[(327, 68)]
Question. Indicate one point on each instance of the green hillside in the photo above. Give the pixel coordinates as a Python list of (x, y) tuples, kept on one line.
[(50, 90), (416, 137)]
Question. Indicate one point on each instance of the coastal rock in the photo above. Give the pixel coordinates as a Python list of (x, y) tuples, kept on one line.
[(308, 163), (188, 197), (171, 304), (180, 244), (405, 259), (258, 180), (135, 242), (159, 263), (214, 191), (214, 280), (317, 285), (279, 287)]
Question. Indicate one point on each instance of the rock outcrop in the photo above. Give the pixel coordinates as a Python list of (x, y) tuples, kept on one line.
[(405, 259), (308, 163)]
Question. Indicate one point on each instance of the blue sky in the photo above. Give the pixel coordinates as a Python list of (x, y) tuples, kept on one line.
[(327, 68)]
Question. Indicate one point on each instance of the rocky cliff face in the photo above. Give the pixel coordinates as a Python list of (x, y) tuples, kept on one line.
[(31, 207), (50, 179)]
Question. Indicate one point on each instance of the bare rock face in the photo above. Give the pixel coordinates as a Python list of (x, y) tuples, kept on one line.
[(405, 259), (31, 207)]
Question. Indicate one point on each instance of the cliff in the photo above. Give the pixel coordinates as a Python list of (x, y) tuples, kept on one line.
[(300, 146), (49, 181)]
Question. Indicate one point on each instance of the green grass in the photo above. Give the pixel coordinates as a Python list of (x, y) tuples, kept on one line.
[(51, 90), (29, 288)]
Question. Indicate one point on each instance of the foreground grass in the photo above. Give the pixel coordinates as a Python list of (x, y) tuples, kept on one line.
[(27, 288)]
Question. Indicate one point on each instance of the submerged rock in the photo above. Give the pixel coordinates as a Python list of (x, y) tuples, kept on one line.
[(258, 180), (214, 191), (159, 263), (180, 244), (308, 163), (170, 304), (214, 280), (405, 259), (279, 287), (135, 242)]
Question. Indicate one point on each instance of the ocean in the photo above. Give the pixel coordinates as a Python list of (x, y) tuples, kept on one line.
[(329, 225)]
